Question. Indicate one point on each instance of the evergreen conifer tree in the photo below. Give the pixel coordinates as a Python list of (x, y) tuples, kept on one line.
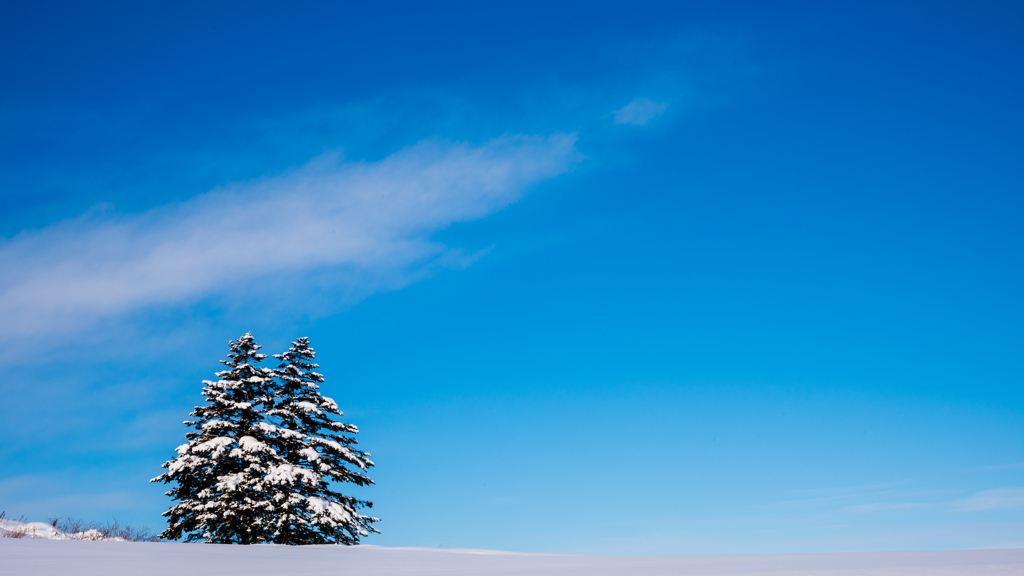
[(222, 470), (319, 451)]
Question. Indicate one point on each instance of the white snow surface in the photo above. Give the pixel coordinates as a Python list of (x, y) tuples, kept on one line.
[(62, 557)]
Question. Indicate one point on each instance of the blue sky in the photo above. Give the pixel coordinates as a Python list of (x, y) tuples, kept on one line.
[(625, 278)]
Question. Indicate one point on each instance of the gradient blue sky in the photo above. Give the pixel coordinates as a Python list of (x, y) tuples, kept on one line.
[(623, 278)]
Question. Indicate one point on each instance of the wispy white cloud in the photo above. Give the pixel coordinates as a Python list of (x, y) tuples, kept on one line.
[(884, 506), (639, 112), (824, 495), (999, 498), (1004, 466), (371, 219), (995, 499)]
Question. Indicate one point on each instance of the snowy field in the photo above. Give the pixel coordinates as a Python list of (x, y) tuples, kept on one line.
[(63, 557)]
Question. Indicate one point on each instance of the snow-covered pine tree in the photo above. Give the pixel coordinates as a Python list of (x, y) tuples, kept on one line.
[(221, 471), (320, 450)]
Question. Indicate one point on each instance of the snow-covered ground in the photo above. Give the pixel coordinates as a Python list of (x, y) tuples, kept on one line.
[(62, 557)]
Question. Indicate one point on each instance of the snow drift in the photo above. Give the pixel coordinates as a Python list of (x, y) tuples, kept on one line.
[(45, 557), (15, 529), (69, 529)]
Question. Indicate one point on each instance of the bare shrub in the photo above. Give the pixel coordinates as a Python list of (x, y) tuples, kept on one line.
[(76, 529), (21, 532), (130, 533), (113, 530), (67, 525)]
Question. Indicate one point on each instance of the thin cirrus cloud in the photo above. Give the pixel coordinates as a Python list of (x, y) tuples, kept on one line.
[(639, 112), (995, 499), (375, 218)]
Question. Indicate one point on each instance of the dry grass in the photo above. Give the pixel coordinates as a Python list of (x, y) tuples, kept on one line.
[(75, 529), (16, 533), (113, 530)]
